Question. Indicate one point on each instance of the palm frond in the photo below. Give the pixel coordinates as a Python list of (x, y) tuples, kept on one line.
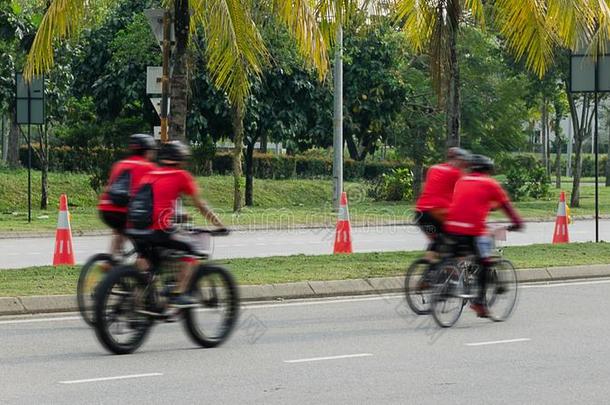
[(418, 19), (234, 48), (301, 19), (528, 32), (63, 19)]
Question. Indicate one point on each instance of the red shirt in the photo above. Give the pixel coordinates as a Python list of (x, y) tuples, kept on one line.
[(138, 166), (438, 189), (168, 183), (474, 196)]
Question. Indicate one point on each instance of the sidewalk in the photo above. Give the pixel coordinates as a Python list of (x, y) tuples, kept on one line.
[(310, 289)]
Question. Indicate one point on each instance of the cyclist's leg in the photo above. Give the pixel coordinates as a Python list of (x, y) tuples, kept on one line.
[(483, 245), (431, 227), (172, 240), (117, 222)]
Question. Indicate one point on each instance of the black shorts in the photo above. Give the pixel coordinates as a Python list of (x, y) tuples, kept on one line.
[(147, 244), (115, 220), (428, 224)]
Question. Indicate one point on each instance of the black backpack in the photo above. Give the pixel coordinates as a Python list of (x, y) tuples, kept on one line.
[(118, 192), (140, 211)]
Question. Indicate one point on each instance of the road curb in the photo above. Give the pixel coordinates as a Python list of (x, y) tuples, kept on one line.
[(305, 289)]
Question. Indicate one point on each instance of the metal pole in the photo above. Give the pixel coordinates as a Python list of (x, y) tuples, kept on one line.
[(165, 77), (2, 141), (29, 156), (338, 120), (596, 147)]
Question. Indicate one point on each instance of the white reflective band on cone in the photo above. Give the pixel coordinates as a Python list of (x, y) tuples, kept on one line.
[(62, 220)]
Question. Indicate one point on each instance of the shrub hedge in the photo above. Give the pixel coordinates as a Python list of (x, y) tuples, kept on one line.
[(266, 166)]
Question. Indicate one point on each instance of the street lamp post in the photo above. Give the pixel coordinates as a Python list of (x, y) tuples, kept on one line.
[(338, 120)]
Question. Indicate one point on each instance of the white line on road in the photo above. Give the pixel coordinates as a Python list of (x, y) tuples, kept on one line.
[(343, 356), (119, 377), (498, 342)]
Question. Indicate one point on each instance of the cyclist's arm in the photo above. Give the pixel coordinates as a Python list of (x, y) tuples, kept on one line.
[(206, 211), (511, 213)]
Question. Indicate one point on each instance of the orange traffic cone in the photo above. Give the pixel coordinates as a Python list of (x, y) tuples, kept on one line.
[(343, 233), (561, 223), (64, 254)]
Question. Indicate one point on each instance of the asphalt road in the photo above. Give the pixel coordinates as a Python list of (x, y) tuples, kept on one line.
[(24, 252), (341, 351)]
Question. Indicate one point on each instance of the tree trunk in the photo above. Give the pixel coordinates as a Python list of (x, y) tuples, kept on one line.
[(238, 140), (453, 94), (264, 142), (557, 160), (575, 199), (180, 79), (543, 134), (418, 177), (12, 156), (352, 148), (44, 167), (608, 155), (250, 173)]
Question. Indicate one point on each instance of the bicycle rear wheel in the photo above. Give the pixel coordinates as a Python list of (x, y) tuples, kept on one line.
[(119, 326), (215, 290), (419, 286), (502, 290), (447, 305), (90, 276)]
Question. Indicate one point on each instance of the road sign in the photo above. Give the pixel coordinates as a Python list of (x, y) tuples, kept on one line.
[(157, 133), (155, 20), (154, 75), (30, 100), (156, 102)]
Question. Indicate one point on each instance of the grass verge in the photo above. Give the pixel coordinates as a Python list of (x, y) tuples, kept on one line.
[(62, 280)]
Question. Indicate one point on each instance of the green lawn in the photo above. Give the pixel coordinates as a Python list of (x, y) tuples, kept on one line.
[(62, 280), (278, 203)]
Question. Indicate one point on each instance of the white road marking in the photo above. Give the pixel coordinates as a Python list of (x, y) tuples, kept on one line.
[(36, 320), (343, 356), (120, 377), (498, 342)]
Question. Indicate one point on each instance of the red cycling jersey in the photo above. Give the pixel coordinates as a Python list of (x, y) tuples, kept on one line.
[(475, 195), (438, 189), (168, 183), (138, 166)]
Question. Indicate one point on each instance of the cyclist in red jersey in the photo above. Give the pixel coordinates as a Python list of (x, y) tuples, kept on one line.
[(169, 181), (432, 205), (135, 166), (475, 195)]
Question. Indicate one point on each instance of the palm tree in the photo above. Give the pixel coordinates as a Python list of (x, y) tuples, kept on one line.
[(235, 51), (533, 30)]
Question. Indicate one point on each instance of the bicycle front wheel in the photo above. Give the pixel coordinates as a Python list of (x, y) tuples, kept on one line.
[(120, 325), (502, 290), (90, 276), (447, 303), (215, 292), (419, 285)]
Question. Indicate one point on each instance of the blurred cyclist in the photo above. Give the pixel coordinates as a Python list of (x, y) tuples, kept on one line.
[(475, 195), (433, 203), (124, 177), (160, 189)]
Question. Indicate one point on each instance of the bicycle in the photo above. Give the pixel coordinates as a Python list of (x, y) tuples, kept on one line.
[(90, 276), (420, 280), (130, 301), (457, 284)]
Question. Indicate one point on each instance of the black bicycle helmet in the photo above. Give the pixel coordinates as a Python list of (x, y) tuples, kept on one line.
[(481, 164), (457, 153), (141, 142), (174, 151)]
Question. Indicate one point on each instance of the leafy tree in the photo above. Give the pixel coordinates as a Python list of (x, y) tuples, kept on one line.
[(531, 29), (493, 109)]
